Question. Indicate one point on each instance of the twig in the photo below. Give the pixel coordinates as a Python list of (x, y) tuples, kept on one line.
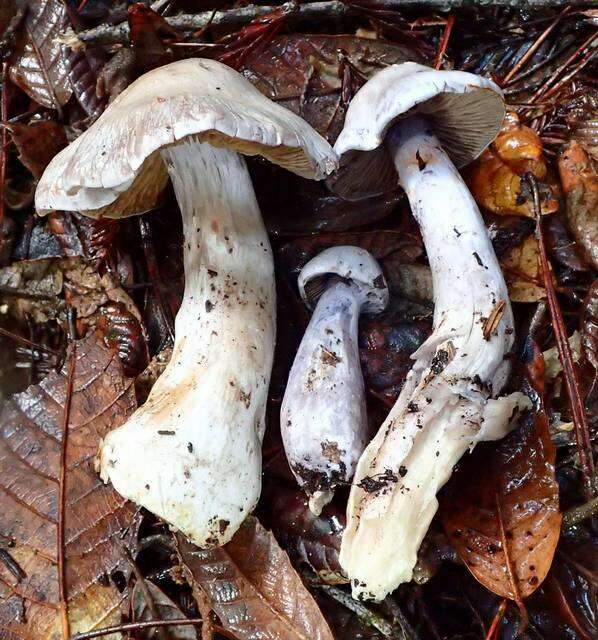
[(136, 626), (448, 29), (373, 619), (509, 564), (119, 34), (149, 599), (4, 139), (545, 87), (500, 614), (579, 514), (29, 343), (530, 52), (60, 538), (582, 434)]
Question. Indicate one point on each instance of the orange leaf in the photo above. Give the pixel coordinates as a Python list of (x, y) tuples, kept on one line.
[(520, 472)]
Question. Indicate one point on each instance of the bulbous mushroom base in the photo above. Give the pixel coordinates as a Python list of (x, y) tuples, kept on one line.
[(192, 453)]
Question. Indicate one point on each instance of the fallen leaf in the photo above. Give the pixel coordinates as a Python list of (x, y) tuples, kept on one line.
[(42, 286), (314, 541), (522, 271), (252, 587), (97, 520), (589, 350), (39, 68), (519, 471), (303, 73), (166, 609), (580, 184), (383, 245), (83, 67), (495, 178), (37, 143)]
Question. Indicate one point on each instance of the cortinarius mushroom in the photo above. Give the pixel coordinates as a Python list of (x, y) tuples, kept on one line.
[(448, 403), (323, 416), (192, 453)]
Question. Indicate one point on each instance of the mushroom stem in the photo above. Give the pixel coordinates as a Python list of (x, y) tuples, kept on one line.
[(323, 414), (206, 411), (446, 405)]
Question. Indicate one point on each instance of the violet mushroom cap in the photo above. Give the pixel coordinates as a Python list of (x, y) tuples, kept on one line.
[(450, 398), (323, 414), (192, 453), (465, 110)]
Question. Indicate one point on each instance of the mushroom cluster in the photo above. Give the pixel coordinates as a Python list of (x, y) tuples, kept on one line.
[(192, 453)]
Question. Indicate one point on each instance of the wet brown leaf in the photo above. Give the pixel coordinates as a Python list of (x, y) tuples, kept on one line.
[(252, 587), (311, 540), (39, 287), (495, 178), (519, 473), (39, 67), (97, 519), (580, 184), (166, 609), (522, 271), (304, 73), (83, 68), (37, 143)]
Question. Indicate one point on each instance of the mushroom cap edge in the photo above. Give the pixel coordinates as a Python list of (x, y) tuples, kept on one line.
[(350, 263), (114, 168)]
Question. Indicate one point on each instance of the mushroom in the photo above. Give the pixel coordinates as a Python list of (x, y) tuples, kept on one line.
[(192, 453), (323, 415), (450, 398)]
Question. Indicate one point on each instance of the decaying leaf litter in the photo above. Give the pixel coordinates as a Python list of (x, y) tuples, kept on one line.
[(87, 304)]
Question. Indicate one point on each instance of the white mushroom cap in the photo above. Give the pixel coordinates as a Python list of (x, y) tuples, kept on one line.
[(466, 112), (350, 263), (114, 169)]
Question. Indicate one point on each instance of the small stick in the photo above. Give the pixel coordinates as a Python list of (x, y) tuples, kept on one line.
[(582, 435), (373, 619), (25, 341), (4, 138), (500, 614), (557, 72), (136, 626), (579, 514), (448, 29), (60, 538), (530, 52)]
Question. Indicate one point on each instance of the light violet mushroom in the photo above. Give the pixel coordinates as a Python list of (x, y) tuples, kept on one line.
[(323, 416), (422, 121), (192, 453)]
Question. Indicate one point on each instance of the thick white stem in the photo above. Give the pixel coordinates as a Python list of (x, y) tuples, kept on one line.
[(192, 453), (323, 414), (445, 406)]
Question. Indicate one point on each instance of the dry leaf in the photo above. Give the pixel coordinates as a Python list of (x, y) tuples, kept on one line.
[(39, 69), (37, 143), (303, 73), (522, 271), (97, 520), (580, 184), (166, 609), (520, 473), (252, 587), (44, 281), (495, 178)]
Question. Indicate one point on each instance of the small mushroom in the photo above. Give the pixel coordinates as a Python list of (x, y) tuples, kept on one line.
[(323, 416), (192, 453), (417, 121)]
